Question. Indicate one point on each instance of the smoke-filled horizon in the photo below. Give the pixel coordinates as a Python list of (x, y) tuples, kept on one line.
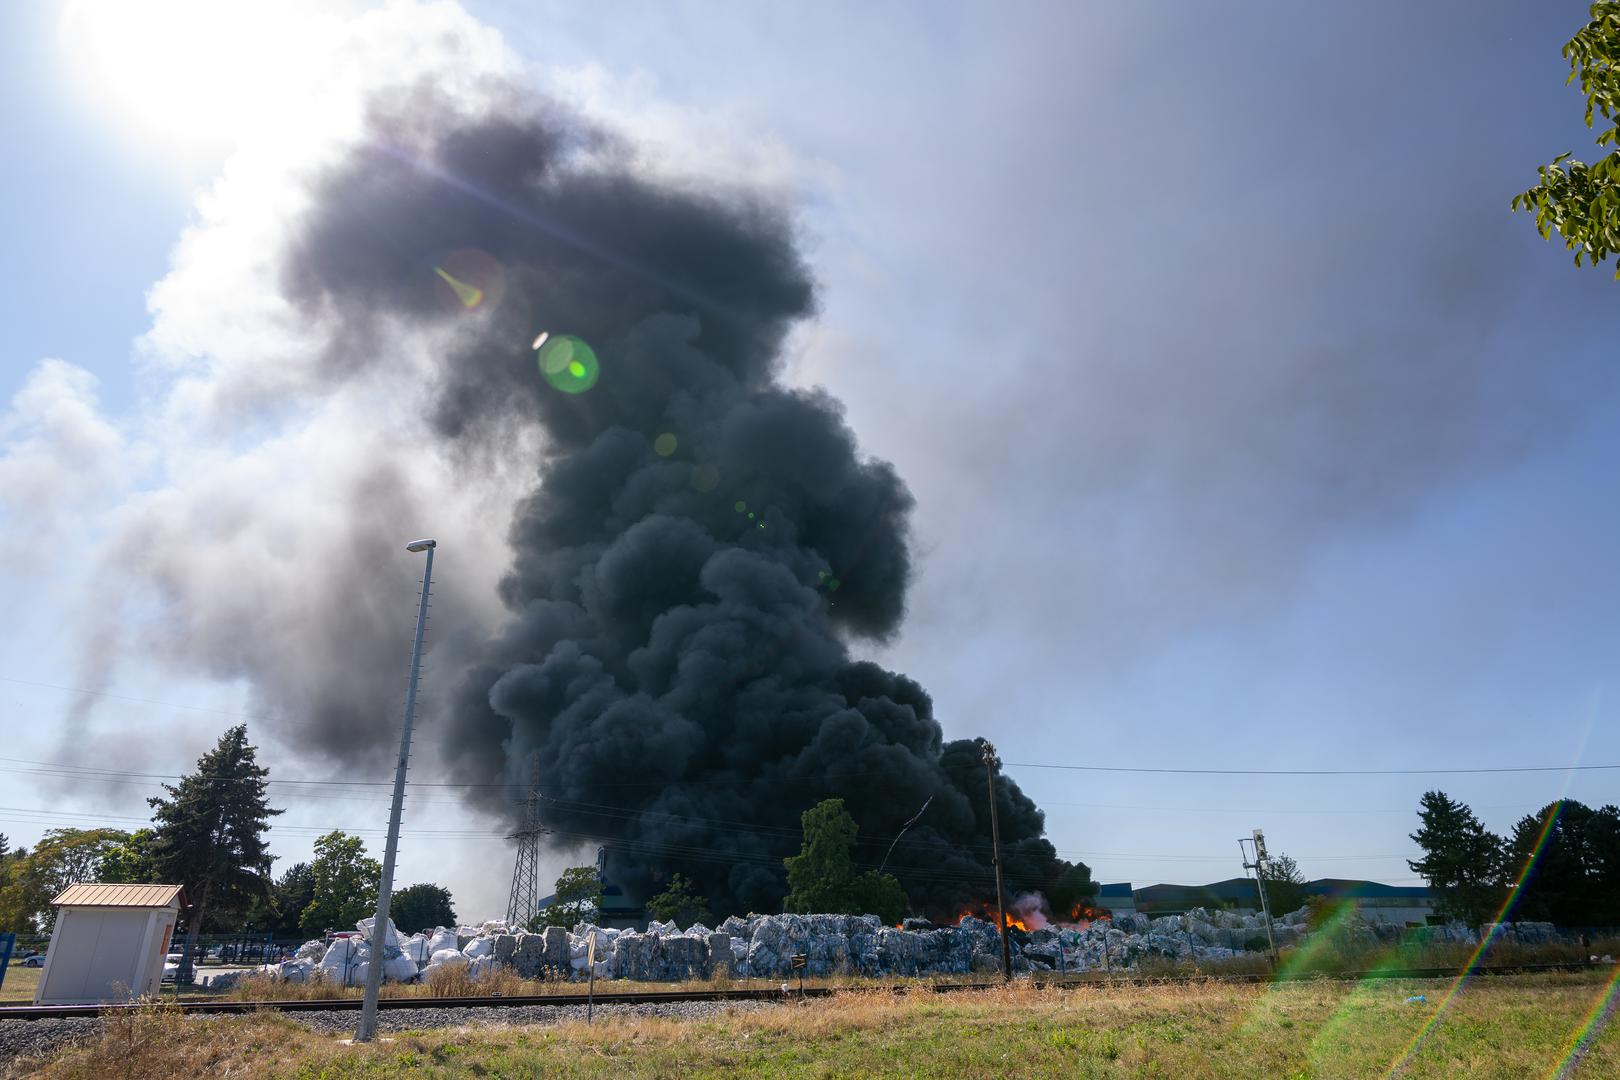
[(702, 540)]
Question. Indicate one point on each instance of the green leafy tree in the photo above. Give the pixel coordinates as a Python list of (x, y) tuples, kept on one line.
[(131, 861), (1575, 881), (1285, 885), (1462, 860), (62, 857), (679, 903), (822, 877), (578, 899), (290, 894), (1582, 201), (345, 884), (421, 907)]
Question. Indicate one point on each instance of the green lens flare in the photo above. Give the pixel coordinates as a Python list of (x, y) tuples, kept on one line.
[(705, 477), (664, 445), (569, 364), (469, 295), (739, 506)]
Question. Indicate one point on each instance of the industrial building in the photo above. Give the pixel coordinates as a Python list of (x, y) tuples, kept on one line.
[(1400, 905)]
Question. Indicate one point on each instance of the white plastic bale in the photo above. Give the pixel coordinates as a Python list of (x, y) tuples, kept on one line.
[(480, 967), (450, 958), (340, 960), (442, 938), (477, 947), (399, 968), (417, 948), (296, 971), (390, 936)]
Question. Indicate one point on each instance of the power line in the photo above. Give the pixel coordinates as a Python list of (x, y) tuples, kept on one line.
[(1308, 772), (765, 831)]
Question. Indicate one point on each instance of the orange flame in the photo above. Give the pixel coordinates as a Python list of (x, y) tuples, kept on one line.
[(1013, 923)]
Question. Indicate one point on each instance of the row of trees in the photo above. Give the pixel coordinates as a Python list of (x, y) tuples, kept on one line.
[(208, 833), (824, 878), (1564, 861)]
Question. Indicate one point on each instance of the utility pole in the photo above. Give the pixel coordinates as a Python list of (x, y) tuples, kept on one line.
[(1259, 868), (991, 763), (385, 891)]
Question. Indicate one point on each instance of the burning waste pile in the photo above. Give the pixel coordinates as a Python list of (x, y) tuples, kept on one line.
[(762, 947)]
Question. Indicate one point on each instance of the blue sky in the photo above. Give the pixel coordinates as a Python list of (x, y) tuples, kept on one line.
[(1247, 426)]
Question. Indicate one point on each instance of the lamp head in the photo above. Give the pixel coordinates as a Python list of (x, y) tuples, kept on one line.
[(421, 545)]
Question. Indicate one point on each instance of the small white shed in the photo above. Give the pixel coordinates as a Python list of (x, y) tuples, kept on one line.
[(109, 943)]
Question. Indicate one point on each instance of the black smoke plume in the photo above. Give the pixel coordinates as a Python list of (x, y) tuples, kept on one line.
[(676, 658)]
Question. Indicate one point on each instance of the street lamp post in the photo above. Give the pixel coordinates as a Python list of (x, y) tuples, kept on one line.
[(379, 925)]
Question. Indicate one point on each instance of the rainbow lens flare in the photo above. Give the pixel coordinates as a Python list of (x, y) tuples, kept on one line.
[(473, 280), (1591, 1027), (569, 364), (1485, 942)]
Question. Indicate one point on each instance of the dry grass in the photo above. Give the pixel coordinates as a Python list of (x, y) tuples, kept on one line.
[(445, 982), (1502, 1027), (21, 982)]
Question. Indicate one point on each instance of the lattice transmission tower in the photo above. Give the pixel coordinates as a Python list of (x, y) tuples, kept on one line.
[(526, 870)]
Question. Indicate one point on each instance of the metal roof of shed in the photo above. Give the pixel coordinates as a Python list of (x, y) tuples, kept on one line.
[(87, 894)]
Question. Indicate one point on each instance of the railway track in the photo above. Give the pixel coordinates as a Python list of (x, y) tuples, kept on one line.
[(43, 1012)]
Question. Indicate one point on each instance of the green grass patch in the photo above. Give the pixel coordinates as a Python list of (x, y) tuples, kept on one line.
[(1507, 1027)]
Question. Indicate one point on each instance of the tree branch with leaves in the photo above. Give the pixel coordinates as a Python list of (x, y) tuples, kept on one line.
[(1580, 201)]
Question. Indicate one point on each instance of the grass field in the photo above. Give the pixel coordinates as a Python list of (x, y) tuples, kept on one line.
[(19, 985), (1509, 1027)]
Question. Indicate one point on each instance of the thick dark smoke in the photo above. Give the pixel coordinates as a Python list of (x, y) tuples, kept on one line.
[(676, 659)]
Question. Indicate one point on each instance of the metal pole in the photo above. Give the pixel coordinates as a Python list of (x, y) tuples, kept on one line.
[(379, 926), (1259, 866), (990, 763), (590, 962)]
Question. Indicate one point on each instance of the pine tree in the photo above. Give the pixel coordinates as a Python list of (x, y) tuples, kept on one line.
[(1573, 855), (209, 833), (1285, 885), (292, 894), (1462, 860)]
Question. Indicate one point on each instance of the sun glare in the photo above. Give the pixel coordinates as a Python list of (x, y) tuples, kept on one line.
[(189, 72)]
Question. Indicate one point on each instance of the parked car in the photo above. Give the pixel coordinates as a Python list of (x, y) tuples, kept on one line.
[(37, 960)]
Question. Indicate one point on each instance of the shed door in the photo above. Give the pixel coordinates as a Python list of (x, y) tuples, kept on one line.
[(98, 954)]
